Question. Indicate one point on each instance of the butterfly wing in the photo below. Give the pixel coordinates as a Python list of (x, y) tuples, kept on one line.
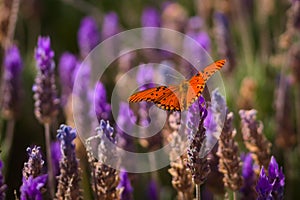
[(166, 98), (212, 68), (197, 82)]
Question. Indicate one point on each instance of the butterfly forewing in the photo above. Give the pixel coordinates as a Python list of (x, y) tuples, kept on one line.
[(164, 97)]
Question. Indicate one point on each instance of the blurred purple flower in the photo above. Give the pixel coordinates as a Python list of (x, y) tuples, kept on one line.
[(67, 68), (31, 187), (88, 35), (11, 82), (44, 54), (102, 108), (2, 185), (249, 177), (56, 156), (125, 123), (125, 186), (150, 17), (264, 187), (152, 191), (145, 76), (271, 186), (110, 25), (45, 96), (195, 31)]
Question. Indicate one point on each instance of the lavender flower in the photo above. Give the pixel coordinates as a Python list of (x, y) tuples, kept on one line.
[(125, 186), (249, 177), (125, 121), (67, 67), (33, 167), (88, 35), (253, 137), (2, 185), (229, 163), (46, 101), (264, 187), (271, 186), (196, 32), (150, 17), (31, 187), (276, 177), (105, 179), (102, 108), (152, 191), (110, 25), (181, 177), (56, 156), (11, 82), (69, 178), (223, 38), (197, 160)]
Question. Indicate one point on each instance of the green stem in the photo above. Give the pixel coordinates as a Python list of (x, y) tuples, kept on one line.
[(297, 106), (49, 160), (198, 192), (235, 195), (8, 141)]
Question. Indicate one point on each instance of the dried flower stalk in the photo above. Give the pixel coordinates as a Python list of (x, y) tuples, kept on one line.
[(253, 137), (181, 175), (229, 163)]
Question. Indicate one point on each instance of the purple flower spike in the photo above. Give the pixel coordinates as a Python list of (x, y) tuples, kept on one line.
[(66, 135), (271, 186), (125, 185), (249, 177), (45, 96), (44, 54), (31, 188), (11, 82), (195, 31), (264, 188), (150, 18), (56, 156), (88, 35), (2, 185), (67, 68), (110, 25), (125, 121), (69, 178), (102, 108), (276, 177), (152, 190), (145, 76)]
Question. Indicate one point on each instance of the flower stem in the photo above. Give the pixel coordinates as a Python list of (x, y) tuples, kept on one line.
[(49, 160), (297, 106), (198, 192), (9, 136), (235, 195)]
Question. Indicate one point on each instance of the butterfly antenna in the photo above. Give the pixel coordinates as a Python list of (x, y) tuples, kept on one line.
[(173, 76)]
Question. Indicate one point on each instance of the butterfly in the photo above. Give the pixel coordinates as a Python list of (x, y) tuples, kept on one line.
[(178, 97)]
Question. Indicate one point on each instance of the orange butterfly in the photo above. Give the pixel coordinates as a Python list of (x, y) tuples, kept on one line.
[(178, 97)]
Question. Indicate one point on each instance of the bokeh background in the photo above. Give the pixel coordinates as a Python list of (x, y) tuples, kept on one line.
[(260, 40)]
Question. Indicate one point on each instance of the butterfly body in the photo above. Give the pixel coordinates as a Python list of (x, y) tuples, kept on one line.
[(180, 97)]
